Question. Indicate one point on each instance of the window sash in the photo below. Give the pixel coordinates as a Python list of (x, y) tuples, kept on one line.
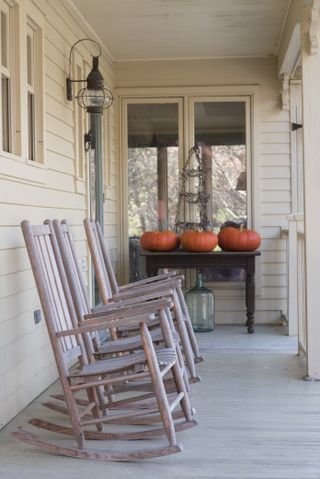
[(5, 113)]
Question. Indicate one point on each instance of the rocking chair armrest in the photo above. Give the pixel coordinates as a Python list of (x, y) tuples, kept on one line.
[(145, 281), (146, 289), (134, 299), (151, 305), (92, 326)]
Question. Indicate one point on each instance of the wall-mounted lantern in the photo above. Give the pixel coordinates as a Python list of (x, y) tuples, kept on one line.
[(94, 97)]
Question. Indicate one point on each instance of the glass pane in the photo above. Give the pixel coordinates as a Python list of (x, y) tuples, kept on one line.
[(4, 40), (5, 109), (31, 128), (220, 132), (153, 171)]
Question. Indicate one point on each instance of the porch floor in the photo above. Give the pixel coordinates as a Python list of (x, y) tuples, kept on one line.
[(257, 420)]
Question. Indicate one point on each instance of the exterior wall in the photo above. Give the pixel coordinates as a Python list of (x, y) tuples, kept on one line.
[(36, 192), (271, 163)]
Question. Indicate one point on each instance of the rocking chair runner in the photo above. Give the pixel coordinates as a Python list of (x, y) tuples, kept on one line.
[(70, 341), (110, 291)]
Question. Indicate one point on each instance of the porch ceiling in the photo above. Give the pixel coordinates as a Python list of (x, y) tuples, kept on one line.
[(180, 29)]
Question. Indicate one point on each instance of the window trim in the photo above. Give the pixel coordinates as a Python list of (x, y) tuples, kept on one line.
[(32, 22), (12, 72)]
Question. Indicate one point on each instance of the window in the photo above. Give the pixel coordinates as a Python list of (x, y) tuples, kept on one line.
[(220, 130), (8, 88), (153, 166), (34, 92)]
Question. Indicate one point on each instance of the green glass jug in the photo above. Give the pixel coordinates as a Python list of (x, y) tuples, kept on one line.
[(200, 303)]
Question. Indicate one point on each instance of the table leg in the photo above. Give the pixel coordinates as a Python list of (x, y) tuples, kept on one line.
[(250, 302), (151, 267)]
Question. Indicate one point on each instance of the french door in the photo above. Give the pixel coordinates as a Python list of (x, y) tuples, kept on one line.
[(157, 135)]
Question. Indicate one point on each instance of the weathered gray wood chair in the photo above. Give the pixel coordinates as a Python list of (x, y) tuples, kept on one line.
[(111, 291), (71, 341), (79, 294)]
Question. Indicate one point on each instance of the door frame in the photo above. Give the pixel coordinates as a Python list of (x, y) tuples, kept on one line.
[(124, 96)]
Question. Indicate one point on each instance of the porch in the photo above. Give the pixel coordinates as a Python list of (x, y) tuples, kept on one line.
[(269, 429)]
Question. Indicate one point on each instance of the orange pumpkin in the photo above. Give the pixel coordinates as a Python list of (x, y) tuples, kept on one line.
[(159, 241), (201, 241), (238, 239)]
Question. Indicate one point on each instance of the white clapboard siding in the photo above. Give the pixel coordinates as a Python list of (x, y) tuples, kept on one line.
[(29, 191)]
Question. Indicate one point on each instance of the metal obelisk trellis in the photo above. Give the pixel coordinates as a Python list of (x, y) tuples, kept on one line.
[(194, 171)]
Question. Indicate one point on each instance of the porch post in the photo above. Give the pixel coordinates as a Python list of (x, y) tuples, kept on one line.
[(311, 130)]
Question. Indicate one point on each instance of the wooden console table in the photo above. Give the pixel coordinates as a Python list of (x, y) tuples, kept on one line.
[(215, 259)]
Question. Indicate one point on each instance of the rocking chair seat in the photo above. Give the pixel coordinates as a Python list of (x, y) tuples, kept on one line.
[(132, 342), (164, 357)]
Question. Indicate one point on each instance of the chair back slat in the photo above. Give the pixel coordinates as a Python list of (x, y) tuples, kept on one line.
[(55, 298), (112, 278), (73, 273), (105, 283), (67, 249)]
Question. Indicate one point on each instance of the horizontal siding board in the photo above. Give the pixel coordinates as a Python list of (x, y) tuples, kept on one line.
[(61, 163), (60, 181), (17, 304), (278, 196), (57, 91), (274, 280), (279, 292), (275, 172), (270, 232), (275, 137), (276, 208), (275, 148), (34, 196), (60, 127), (273, 220), (15, 327), (26, 392), (273, 268), (276, 160), (29, 367), (14, 283), (59, 145), (275, 126), (23, 348), (21, 171), (13, 260), (274, 245), (274, 256), (276, 184), (58, 110)]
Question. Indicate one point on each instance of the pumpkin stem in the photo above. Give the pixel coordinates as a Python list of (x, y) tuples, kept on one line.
[(242, 227)]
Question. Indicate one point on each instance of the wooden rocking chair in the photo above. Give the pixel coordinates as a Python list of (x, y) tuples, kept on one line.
[(111, 291), (78, 291), (71, 341)]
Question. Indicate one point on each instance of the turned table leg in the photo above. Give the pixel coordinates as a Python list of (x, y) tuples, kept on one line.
[(250, 302)]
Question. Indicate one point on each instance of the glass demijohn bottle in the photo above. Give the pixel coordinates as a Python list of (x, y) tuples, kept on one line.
[(200, 303)]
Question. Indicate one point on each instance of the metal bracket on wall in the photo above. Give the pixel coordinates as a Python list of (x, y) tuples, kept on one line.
[(296, 126)]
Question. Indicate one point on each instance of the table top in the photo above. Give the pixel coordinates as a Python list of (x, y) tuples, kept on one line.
[(182, 253)]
